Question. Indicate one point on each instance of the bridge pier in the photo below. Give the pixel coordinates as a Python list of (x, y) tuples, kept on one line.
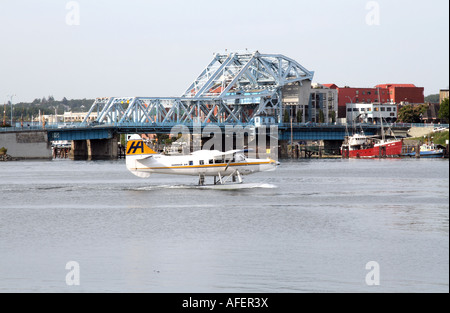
[(79, 150), (26, 144), (95, 149)]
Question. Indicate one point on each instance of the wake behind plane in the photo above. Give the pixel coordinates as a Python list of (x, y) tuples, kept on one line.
[(142, 161)]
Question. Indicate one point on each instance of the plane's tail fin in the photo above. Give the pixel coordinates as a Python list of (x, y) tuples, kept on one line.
[(136, 146)]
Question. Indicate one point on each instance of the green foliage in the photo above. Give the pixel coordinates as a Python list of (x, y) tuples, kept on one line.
[(46, 106), (123, 140), (286, 117), (3, 150), (432, 98), (163, 139), (411, 113), (444, 111), (321, 116), (440, 138), (333, 116), (300, 116)]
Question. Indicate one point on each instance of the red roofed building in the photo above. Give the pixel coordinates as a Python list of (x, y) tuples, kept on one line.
[(405, 93), (396, 93)]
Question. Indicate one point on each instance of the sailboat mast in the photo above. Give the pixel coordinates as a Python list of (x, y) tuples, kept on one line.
[(383, 135)]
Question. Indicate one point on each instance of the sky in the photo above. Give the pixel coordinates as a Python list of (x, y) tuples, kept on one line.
[(101, 48)]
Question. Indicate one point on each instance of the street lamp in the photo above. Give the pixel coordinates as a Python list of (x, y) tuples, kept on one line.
[(10, 101)]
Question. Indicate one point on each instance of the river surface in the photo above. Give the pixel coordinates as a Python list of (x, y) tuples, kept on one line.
[(310, 226)]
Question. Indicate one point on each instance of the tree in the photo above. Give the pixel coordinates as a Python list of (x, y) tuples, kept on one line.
[(444, 111), (286, 117), (321, 116), (300, 116), (333, 116), (432, 98), (411, 113)]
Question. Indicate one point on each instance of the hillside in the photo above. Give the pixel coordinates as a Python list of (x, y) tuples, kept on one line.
[(45, 106)]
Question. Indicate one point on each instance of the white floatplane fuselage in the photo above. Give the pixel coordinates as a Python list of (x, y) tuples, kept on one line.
[(143, 161)]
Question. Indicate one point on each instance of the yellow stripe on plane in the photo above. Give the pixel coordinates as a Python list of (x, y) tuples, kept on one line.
[(203, 166)]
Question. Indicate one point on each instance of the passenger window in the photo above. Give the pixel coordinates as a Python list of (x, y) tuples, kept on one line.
[(202, 162), (211, 161), (191, 163)]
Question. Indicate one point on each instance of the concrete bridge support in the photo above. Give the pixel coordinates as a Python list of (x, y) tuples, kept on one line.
[(95, 149), (79, 150), (26, 145)]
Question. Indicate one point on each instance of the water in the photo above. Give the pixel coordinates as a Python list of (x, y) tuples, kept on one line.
[(311, 226)]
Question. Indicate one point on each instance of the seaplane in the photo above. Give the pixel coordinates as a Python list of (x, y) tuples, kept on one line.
[(226, 167)]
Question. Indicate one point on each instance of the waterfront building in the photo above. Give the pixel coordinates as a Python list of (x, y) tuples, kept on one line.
[(70, 117), (319, 105), (385, 93), (67, 117), (443, 94), (371, 112), (404, 93), (323, 105)]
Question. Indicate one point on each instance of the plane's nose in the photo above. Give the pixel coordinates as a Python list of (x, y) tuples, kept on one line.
[(275, 162)]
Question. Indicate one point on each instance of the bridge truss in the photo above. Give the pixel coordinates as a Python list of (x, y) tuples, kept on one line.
[(233, 89)]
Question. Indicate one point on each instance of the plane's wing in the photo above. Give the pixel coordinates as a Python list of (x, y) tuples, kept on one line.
[(236, 151), (146, 157), (216, 153)]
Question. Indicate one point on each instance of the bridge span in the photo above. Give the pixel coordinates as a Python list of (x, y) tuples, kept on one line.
[(100, 141), (295, 132)]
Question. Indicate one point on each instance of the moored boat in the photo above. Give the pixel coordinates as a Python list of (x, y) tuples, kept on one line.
[(361, 146), (428, 151)]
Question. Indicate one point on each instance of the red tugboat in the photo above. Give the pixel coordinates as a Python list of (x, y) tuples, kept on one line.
[(362, 146)]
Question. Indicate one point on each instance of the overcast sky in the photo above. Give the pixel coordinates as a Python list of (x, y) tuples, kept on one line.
[(157, 48)]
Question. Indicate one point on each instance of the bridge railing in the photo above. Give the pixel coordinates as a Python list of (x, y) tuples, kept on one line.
[(350, 125), (26, 128), (34, 127)]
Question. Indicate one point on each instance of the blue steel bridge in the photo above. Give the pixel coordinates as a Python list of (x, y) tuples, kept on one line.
[(235, 89)]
